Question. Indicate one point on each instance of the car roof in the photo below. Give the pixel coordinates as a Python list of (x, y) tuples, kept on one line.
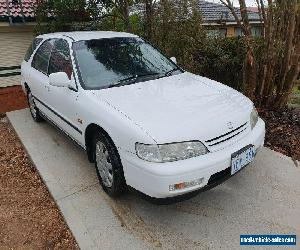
[(86, 35)]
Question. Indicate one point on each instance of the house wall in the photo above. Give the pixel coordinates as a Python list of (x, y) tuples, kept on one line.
[(230, 31), (14, 42)]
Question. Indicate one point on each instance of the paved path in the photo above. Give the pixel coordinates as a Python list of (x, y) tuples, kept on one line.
[(262, 199)]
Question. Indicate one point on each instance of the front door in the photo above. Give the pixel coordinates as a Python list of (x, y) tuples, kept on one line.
[(62, 100)]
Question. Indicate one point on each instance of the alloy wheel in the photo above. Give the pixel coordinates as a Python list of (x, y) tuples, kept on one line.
[(104, 164), (32, 106)]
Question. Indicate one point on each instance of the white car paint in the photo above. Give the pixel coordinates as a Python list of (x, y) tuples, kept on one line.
[(177, 108)]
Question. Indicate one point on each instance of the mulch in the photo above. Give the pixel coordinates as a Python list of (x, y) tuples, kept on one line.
[(283, 131), (12, 98), (29, 217)]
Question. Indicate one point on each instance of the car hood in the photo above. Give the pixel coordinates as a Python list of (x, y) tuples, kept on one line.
[(180, 107)]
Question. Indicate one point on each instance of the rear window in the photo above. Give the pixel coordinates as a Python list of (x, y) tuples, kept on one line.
[(32, 47)]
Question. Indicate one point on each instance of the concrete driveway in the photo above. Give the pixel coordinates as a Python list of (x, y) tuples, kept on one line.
[(262, 199)]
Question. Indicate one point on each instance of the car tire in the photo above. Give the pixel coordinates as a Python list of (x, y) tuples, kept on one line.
[(108, 165), (34, 111)]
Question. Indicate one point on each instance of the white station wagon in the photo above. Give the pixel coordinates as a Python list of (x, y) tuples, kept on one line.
[(142, 120)]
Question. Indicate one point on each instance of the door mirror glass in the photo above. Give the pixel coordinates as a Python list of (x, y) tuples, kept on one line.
[(174, 60), (59, 79)]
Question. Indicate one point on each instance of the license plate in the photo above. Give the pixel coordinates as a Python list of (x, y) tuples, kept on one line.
[(242, 158)]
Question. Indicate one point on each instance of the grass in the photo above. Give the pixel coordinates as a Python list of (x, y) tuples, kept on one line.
[(295, 98)]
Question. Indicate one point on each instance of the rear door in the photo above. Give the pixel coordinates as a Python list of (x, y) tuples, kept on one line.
[(26, 64), (38, 76)]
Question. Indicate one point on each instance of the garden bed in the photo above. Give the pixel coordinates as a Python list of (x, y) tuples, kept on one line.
[(12, 98), (29, 217), (283, 131)]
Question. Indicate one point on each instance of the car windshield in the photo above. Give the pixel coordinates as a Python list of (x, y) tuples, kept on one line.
[(113, 62)]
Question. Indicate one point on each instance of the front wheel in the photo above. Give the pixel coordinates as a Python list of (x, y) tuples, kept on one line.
[(34, 111), (108, 165)]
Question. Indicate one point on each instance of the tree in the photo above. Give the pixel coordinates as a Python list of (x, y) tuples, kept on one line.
[(59, 15), (149, 18), (270, 76), (123, 11), (178, 30)]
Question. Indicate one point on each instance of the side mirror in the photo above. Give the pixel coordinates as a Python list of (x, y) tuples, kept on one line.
[(174, 60), (59, 79)]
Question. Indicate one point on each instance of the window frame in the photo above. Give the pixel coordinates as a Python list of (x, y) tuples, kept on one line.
[(72, 58), (77, 67), (70, 55), (40, 39), (47, 40)]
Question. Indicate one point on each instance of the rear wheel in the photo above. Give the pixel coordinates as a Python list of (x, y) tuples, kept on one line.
[(108, 165), (34, 111)]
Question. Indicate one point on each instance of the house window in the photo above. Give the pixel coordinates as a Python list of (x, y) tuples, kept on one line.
[(238, 32), (256, 31), (222, 32)]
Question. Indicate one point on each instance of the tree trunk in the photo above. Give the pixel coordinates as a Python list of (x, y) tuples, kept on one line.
[(291, 77), (288, 47), (270, 77), (291, 59), (122, 7), (250, 74), (149, 19), (127, 16), (250, 69), (250, 63)]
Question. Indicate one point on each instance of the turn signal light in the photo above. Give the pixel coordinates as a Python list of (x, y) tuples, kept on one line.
[(184, 185)]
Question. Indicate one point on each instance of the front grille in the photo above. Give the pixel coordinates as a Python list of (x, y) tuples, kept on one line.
[(225, 137)]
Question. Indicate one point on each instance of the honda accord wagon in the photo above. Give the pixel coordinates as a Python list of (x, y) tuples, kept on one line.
[(142, 120)]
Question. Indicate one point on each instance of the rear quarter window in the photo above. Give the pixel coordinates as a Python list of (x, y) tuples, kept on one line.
[(32, 47), (40, 59)]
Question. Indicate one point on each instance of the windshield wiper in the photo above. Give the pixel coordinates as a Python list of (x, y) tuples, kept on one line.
[(130, 80), (168, 73)]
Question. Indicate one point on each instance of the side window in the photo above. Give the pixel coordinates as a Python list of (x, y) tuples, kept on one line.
[(32, 47), (41, 58), (60, 60)]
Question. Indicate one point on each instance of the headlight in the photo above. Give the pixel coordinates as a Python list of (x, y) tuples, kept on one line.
[(253, 117), (170, 152)]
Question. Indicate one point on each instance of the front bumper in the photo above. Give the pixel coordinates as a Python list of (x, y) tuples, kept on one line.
[(153, 179)]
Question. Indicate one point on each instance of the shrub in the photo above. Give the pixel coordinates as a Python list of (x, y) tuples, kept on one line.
[(221, 59)]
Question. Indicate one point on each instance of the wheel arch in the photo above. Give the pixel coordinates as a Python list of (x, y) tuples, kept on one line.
[(88, 137)]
